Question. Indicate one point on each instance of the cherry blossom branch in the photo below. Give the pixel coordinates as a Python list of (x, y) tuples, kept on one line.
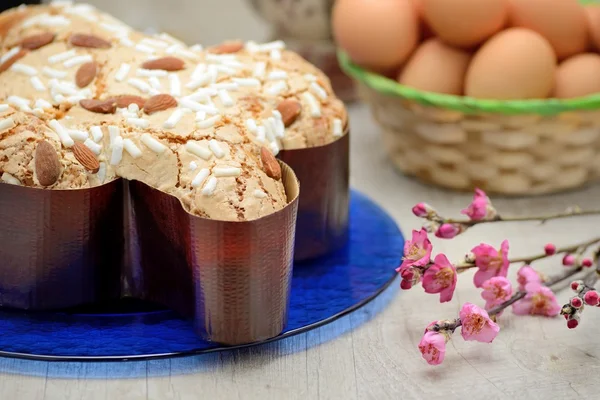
[(541, 218), (438, 275), (481, 211), (585, 293), (451, 325), (521, 294), (579, 248), (532, 296)]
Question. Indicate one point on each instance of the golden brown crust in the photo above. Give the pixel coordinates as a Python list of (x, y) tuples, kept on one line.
[(201, 142), (11, 18)]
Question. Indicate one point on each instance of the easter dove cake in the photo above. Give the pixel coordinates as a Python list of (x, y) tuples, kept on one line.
[(85, 99)]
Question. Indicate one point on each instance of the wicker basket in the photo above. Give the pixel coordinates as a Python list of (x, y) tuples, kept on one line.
[(504, 147)]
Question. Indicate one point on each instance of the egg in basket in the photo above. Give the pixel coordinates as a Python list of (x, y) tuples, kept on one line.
[(498, 94)]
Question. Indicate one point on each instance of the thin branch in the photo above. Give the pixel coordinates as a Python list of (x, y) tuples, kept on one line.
[(453, 324), (519, 295), (528, 260), (591, 279), (541, 218)]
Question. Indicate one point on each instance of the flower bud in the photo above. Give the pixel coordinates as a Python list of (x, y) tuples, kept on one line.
[(576, 302), (591, 298), (577, 286), (421, 210), (408, 274), (568, 260), (448, 231), (573, 322), (405, 285), (587, 262), (550, 249)]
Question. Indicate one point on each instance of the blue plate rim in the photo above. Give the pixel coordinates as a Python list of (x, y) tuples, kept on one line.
[(288, 334), (220, 348)]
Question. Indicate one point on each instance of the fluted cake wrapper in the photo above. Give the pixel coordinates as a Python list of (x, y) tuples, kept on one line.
[(232, 278), (67, 248), (60, 248), (323, 207)]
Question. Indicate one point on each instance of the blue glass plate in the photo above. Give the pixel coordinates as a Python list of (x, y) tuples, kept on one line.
[(322, 291)]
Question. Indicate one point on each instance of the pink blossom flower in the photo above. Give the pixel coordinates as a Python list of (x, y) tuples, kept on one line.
[(449, 231), (491, 262), (477, 324), (433, 347), (417, 251), (525, 275), (440, 278), (480, 208), (496, 291), (539, 300)]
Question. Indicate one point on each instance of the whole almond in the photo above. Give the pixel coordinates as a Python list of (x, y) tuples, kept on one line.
[(34, 42), (8, 63), (289, 109), (226, 48), (125, 100), (47, 165), (108, 106), (86, 74), (270, 164), (91, 41), (165, 63), (86, 158), (160, 102)]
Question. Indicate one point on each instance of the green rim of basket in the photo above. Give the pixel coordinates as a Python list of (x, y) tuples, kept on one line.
[(467, 105)]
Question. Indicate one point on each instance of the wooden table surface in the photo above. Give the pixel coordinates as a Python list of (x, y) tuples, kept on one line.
[(372, 354)]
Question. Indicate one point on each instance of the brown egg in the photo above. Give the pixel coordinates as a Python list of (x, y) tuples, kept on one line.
[(593, 17), (562, 22), (436, 67), (465, 23), (578, 76), (514, 64), (424, 28), (418, 6), (379, 35)]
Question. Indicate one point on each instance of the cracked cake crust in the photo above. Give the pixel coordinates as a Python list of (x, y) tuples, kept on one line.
[(203, 146)]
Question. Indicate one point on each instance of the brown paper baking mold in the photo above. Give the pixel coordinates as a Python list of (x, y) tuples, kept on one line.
[(232, 278), (60, 248), (323, 208), (65, 248)]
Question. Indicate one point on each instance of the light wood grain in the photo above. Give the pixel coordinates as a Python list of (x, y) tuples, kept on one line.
[(533, 358)]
